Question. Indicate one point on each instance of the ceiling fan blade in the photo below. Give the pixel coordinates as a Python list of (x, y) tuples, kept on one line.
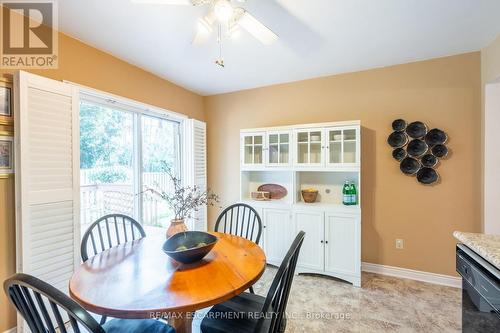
[(205, 28), (257, 29), (165, 2)]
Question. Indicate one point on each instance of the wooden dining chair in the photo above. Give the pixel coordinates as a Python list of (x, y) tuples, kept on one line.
[(241, 220), (48, 310), (239, 313), (109, 231)]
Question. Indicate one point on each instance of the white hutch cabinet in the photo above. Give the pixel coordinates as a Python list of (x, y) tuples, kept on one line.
[(320, 156)]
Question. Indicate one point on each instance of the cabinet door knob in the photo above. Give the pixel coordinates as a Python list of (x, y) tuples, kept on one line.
[(326, 242), (321, 242)]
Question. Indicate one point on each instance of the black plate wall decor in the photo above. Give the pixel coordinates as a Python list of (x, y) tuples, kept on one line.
[(427, 176), (397, 139), (399, 154), (410, 166), (399, 125), (440, 151), (436, 137), (416, 130), (429, 160), (418, 150)]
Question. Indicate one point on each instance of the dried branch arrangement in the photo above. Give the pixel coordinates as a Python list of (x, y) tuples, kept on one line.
[(185, 201)]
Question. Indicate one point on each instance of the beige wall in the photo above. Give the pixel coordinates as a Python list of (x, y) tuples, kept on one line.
[(490, 118), (85, 65), (444, 93)]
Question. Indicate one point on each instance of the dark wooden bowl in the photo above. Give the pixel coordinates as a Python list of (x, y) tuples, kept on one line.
[(189, 239)]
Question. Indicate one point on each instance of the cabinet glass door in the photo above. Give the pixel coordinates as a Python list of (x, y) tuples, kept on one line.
[(279, 148), (342, 146), (310, 147), (253, 149)]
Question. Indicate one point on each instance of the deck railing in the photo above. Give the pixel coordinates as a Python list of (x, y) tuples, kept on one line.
[(97, 200)]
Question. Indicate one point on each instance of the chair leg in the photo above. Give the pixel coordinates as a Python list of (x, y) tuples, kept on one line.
[(103, 320), (283, 324), (251, 290)]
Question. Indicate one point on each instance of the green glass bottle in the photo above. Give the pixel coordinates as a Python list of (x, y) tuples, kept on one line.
[(353, 194), (346, 193)]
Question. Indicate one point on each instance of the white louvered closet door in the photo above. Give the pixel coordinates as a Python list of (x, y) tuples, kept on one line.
[(196, 166), (47, 178)]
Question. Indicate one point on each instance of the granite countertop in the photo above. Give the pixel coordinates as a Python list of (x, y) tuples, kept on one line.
[(487, 246)]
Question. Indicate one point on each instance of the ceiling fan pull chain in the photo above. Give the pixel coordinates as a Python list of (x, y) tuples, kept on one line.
[(219, 61)]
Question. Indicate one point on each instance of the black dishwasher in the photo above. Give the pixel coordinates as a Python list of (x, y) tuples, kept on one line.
[(480, 292)]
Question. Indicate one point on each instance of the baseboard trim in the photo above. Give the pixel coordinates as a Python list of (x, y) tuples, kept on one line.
[(405, 273), (12, 330)]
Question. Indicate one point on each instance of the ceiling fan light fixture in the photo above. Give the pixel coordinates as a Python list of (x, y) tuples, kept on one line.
[(223, 10)]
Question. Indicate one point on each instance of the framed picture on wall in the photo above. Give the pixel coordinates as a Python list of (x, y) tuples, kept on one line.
[(6, 154), (6, 115)]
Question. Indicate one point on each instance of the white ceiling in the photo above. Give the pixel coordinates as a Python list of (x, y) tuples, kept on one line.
[(317, 37)]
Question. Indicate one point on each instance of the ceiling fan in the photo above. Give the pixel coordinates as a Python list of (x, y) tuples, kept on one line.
[(222, 15)]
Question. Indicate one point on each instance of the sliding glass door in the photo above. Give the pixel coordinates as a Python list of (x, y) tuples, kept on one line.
[(160, 149), (106, 162), (122, 158)]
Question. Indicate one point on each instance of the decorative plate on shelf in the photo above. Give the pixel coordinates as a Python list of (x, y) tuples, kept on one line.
[(276, 191)]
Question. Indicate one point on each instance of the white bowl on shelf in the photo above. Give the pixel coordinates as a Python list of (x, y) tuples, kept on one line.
[(315, 137)]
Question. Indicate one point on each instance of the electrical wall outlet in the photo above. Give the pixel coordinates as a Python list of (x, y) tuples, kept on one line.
[(400, 244)]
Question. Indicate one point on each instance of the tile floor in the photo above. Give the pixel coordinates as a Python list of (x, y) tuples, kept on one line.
[(383, 304)]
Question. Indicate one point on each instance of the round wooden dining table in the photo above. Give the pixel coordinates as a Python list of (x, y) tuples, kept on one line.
[(137, 280)]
